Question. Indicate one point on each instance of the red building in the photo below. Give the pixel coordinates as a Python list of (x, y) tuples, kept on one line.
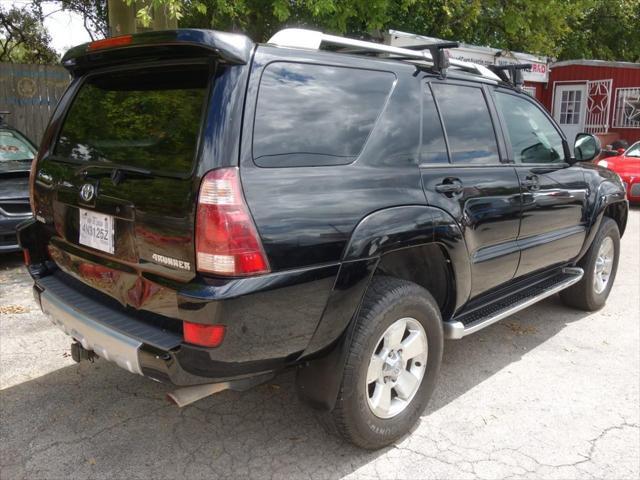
[(595, 96)]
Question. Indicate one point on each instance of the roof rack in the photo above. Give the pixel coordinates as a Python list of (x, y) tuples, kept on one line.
[(432, 54), (514, 72)]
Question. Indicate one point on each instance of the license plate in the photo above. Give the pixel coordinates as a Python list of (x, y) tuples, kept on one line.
[(96, 230)]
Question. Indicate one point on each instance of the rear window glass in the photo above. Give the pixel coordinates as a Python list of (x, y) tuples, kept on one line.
[(309, 115), (468, 124), (147, 119), (14, 147)]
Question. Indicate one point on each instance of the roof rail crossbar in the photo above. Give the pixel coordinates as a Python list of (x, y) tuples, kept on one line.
[(312, 39), (440, 57), (511, 73)]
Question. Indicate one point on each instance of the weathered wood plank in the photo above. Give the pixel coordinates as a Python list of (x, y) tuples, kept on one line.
[(30, 93)]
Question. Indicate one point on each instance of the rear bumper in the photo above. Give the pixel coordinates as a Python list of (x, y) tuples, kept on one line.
[(93, 335), (136, 345), (269, 319)]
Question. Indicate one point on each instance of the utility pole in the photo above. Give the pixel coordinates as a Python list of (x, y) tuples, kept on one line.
[(122, 18)]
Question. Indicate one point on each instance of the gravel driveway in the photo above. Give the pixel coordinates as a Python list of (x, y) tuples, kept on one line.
[(547, 393)]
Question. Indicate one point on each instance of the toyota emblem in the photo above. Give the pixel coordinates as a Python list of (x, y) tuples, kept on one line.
[(87, 192)]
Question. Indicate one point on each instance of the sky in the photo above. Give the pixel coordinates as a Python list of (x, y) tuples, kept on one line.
[(66, 29)]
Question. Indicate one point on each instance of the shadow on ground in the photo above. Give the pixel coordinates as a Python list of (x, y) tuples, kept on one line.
[(97, 420)]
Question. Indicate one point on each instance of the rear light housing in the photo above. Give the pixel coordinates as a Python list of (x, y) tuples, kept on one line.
[(203, 335), (227, 242)]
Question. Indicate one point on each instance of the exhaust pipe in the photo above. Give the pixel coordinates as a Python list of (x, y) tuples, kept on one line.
[(187, 395)]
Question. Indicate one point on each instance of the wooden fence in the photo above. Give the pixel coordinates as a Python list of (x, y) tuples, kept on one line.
[(30, 93)]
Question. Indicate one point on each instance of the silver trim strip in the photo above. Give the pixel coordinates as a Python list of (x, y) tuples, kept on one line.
[(107, 343), (457, 330)]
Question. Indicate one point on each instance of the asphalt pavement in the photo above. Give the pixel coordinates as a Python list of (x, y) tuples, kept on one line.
[(547, 393)]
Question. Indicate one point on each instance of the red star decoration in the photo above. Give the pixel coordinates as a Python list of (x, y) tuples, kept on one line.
[(598, 98)]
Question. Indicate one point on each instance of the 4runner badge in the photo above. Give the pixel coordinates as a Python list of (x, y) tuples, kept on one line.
[(171, 262)]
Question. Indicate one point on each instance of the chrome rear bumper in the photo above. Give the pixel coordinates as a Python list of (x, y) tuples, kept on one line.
[(106, 342), (132, 340)]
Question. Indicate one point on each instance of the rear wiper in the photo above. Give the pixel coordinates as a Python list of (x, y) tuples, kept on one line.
[(117, 173)]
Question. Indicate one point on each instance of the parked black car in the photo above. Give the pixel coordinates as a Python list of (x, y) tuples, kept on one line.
[(16, 154), (212, 211)]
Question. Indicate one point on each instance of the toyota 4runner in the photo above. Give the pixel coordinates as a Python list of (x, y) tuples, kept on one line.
[(210, 211)]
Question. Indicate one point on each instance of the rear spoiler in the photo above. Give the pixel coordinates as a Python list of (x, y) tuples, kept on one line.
[(229, 47)]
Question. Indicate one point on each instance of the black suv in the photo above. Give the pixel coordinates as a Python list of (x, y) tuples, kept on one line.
[(209, 212)]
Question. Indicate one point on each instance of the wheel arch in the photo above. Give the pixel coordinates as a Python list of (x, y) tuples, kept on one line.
[(609, 202), (390, 242)]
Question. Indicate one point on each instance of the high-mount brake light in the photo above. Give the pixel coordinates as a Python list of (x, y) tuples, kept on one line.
[(112, 42), (227, 242)]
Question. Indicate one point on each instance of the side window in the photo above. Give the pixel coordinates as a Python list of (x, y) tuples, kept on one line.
[(434, 148), (310, 115), (533, 137), (468, 124)]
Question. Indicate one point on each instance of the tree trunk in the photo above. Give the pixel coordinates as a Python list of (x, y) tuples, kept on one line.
[(122, 18)]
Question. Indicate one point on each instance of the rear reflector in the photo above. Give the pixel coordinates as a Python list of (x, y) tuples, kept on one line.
[(227, 242), (27, 256), (121, 41), (203, 335)]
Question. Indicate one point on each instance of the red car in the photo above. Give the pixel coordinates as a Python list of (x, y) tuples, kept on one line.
[(627, 166)]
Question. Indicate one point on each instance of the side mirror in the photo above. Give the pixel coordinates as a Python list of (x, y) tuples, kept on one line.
[(586, 147)]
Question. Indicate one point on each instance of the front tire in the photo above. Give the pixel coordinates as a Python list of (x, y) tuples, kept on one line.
[(392, 365), (600, 265)]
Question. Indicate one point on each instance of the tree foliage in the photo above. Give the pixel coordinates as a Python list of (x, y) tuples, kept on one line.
[(23, 38), (608, 30), (93, 13), (604, 29)]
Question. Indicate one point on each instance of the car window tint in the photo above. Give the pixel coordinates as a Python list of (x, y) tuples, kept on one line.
[(434, 148), (316, 114), (12, 147), (143, 118), (533, 137), (467, 123)]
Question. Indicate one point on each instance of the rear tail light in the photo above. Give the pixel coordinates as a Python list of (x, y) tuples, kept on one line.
[(203, 335), (227, 242)]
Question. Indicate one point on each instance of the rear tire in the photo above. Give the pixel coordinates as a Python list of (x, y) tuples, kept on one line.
[(600, 265), (400, 325)]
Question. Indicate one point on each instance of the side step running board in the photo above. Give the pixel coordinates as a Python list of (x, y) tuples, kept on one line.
[(469, 322)]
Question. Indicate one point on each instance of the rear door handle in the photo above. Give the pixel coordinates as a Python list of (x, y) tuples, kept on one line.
[(531, 182), (449, 187)]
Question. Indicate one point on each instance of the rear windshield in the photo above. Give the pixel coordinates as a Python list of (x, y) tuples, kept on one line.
[(147, 119)]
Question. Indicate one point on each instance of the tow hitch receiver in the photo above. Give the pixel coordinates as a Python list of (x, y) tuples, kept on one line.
[(79, 353)]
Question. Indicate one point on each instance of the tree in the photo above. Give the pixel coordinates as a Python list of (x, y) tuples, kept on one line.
[(93, 12), (536, 26), (23, 37), (608, 30)]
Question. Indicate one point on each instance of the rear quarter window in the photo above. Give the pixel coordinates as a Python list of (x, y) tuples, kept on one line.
[(314, 115)]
